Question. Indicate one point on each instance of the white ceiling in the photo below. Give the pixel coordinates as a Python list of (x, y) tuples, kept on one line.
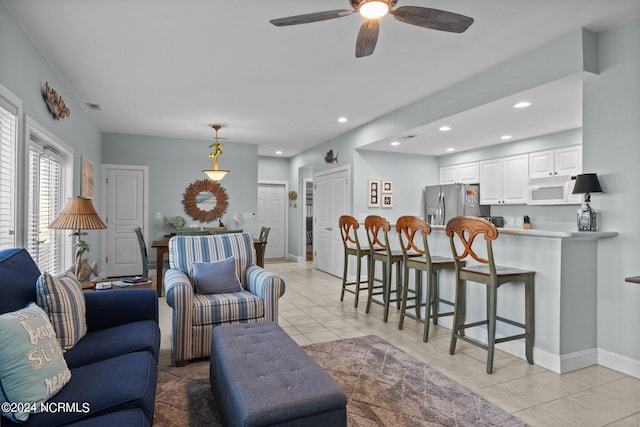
[(172, 68)]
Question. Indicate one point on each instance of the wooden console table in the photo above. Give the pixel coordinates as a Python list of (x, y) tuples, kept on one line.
[(162, 247)]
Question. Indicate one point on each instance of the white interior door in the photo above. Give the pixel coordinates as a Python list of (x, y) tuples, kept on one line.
[(126, 201), (272, 202), (333, 196)]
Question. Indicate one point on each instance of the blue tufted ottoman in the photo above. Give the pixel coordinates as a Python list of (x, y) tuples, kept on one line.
[(259, 377)]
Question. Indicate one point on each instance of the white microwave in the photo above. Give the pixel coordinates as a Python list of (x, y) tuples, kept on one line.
[(553, 191)]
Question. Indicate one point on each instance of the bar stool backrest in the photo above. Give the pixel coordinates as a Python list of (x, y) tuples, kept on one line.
[(408, 228), (348, 227), (378, 228), (467, 228)]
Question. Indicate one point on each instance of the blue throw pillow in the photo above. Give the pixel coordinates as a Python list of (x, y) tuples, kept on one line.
[(217, 277), (32, 367), (62, 299)]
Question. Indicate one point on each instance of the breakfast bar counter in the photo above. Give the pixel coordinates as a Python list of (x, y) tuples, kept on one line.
[(565, 263)]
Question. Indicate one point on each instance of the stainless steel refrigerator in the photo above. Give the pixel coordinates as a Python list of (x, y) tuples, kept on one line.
[(443, 202)]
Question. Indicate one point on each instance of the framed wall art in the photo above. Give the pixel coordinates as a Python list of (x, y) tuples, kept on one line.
[(387, 200), (88, 181), (373, 193), (387, 186)]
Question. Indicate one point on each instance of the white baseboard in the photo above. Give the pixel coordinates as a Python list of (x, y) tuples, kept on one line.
[(295, 258), (619, 363), (555, 363)]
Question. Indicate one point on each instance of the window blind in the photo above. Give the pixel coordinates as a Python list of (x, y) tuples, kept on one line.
[(8, 143), (44, 204)]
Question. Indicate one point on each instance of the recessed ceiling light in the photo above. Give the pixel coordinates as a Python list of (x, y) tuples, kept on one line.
[(278, 152), (450, 149), (506, 137), (342, 119), (395, 143), (522, 104), (445, 128)]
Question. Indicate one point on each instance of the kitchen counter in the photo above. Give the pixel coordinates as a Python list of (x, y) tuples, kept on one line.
[(565, 262), (569, 234)]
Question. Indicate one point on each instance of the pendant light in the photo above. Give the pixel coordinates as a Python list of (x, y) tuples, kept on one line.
[(216, 174)]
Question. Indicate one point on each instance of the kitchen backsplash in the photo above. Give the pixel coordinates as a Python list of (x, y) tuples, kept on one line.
[(552, 218)]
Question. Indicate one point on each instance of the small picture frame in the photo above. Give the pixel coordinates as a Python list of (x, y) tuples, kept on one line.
[(387, 200), (387, 186), (88, 178), (373, 193)]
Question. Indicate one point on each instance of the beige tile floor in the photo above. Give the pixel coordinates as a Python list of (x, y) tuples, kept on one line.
[(311, 312)]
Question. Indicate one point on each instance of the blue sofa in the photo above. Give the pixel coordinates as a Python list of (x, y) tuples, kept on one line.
[(114, 367)]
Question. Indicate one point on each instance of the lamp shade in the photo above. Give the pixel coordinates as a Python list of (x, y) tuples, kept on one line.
[(587, 183), (215, 174), (78, 213)]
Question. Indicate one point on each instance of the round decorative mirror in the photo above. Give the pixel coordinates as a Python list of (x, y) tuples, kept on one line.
[(205, 200)]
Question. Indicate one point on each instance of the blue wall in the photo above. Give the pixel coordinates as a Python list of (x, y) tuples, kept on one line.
[(176, 163), (611, 133), (23, 70)]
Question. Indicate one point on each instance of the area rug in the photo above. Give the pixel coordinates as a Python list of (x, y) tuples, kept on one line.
[(384, 386)]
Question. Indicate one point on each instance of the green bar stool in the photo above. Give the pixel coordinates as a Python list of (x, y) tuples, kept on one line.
[(413, 233), (465, 230), (378, 236), (349, 232)]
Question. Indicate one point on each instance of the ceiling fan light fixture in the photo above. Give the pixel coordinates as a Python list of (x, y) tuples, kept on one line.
[(373, 9)]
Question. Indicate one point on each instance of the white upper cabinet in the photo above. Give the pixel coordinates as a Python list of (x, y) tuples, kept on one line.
[(466, 173), (568, 160), (491, 182), (562, 161), (449, 175), (504, 181), (515, 179), (469, 173)]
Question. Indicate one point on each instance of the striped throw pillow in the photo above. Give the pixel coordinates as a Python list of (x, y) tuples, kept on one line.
[(62, 299)]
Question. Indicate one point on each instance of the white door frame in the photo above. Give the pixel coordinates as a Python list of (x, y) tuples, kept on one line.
[(304, 218), (286, 211), (145, 214)]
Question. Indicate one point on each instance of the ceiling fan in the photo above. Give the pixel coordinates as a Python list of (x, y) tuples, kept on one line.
[(373, 10)]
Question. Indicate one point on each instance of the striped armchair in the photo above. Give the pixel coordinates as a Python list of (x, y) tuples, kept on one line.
[(193, 315)]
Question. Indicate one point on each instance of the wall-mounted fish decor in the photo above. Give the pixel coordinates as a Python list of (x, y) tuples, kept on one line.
[(55, 103), (330, 158)]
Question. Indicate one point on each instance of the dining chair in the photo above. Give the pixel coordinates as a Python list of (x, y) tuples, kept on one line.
[(352, 248), (263, 237), (144, 256), (413, 232), (377, 229), (464, 230)]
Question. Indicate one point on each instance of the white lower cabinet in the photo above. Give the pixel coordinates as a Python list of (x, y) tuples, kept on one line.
[(504, 181)]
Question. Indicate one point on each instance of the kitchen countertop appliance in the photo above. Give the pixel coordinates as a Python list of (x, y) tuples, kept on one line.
[(443, 202)]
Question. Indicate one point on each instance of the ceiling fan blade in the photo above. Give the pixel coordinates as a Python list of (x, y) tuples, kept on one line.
[(311, 17), (432, 18), (367, 38)]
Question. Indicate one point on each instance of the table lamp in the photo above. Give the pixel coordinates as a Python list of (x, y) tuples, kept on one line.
[(78, 214), (586, 184)]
